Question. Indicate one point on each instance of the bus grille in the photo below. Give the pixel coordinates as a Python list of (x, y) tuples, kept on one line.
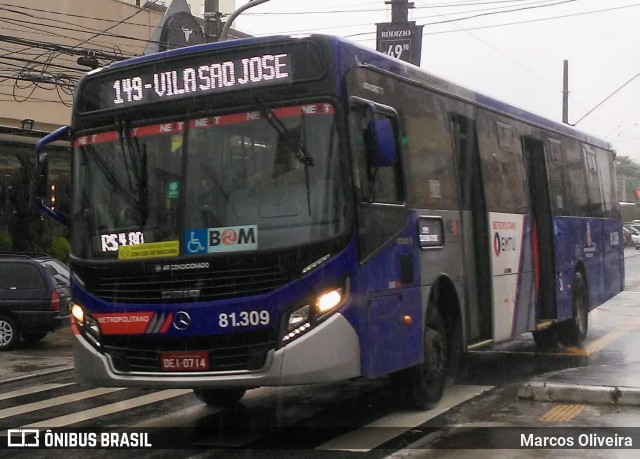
[(209, 285), (247, 351)]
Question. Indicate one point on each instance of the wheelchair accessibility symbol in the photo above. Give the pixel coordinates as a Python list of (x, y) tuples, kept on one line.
[(195, 241)]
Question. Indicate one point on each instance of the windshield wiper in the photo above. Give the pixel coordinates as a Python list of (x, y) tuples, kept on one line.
[(297, 145), (130, 152)]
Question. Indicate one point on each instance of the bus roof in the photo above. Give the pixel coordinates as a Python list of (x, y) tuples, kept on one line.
[(425, 78), (366, 56)]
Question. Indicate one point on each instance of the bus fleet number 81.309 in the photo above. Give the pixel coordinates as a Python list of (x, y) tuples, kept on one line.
[(243, 319)]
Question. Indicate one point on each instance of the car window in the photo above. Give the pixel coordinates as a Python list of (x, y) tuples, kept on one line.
[(58, 266), (57, 271), (19, 276), (52, 271)]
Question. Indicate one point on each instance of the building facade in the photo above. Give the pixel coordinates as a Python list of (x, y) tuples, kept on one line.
[(197, 7), (46, 48)]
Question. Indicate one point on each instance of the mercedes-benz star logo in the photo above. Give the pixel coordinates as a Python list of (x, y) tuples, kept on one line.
[(181, 320)]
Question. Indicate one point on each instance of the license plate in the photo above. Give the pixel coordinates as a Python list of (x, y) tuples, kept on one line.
[(184, 361)]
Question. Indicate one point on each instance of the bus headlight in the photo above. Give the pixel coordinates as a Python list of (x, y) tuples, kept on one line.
[(329, 300), (298, 317), (303, 318), (92, 326), (78, 313), (88, 325)]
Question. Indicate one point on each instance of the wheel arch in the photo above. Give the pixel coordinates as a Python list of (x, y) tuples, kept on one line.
[(582, 270), (443, 296)]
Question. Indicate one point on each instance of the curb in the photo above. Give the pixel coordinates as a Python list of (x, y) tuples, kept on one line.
[(575, 393), (36, 374)]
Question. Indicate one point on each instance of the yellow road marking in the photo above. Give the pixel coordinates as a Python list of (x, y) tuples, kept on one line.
[(561, 413), (589, 349), (603, 341)]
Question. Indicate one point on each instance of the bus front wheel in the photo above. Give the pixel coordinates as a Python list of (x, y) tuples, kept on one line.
[(573, 332), (423, 384), (221, 398)]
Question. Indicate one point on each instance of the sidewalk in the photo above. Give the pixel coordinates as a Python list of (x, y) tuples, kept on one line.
[(608, 383), (615, 384)]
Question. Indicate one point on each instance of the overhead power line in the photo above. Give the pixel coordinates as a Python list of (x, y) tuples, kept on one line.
[(481, 12), (50, 46), (607, 98), (384, 8), (491, 26)]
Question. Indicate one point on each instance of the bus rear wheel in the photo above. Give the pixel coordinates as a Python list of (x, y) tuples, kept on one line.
[(422, 386), (573, 332), (546, 338), (221, 398)]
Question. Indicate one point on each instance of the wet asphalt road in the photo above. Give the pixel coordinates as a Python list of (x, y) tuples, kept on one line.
[(346, 419)]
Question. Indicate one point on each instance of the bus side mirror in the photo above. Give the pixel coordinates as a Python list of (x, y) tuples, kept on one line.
[(42, 173), (381, 144)]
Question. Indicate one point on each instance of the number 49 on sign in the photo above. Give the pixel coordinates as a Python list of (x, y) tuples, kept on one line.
[(397, 49)]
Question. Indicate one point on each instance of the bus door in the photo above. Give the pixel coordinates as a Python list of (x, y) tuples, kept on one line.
[(508, 220), (474, 230), (387, 252), (542, 228)]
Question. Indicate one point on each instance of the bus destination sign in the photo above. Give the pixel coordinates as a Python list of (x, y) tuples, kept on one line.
[(177, 82)]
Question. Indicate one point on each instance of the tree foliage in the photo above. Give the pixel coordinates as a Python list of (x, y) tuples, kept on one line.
[(626, 167)]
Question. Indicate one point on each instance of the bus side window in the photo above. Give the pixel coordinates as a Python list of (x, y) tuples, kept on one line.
[(560, 200), (576, 182), (593, 182), (608, 180), (503, 166)]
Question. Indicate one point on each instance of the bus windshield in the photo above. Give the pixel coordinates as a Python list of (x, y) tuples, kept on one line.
[(248, 181)]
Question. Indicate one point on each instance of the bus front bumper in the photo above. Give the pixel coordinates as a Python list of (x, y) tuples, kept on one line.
[(331, 352)]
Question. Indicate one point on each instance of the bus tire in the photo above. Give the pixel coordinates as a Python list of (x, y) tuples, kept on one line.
[(221, 398), (546, 339), (455, 348), (423, 384), (573, 332)]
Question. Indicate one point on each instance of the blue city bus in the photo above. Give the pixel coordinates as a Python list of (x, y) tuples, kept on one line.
[(290, 210)]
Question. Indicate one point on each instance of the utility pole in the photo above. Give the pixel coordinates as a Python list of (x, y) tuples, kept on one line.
[(400, 38), (212, 17), (565, 92), (399, 10)]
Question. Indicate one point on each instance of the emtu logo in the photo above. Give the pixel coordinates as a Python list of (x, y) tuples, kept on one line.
[(233, 238), (496, 244), (503, 244)]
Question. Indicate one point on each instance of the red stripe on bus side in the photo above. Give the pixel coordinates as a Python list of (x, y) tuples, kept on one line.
[(536, 260), (166, 324)]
